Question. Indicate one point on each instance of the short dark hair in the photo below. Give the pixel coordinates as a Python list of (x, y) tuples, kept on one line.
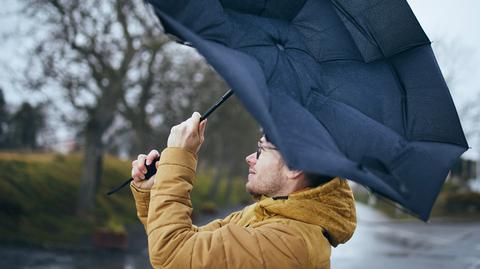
[(314, 180)]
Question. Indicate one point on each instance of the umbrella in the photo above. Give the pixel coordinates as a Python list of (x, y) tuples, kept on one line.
[(342, 87)]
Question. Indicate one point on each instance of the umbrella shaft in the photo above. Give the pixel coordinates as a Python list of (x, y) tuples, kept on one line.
[(209, 111), (217, 104)]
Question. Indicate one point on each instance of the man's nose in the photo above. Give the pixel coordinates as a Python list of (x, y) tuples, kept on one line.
[(251, 159)]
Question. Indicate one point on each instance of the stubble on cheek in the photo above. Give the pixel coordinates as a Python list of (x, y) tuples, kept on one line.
[(266, 181), (252, 186), (258, 187)]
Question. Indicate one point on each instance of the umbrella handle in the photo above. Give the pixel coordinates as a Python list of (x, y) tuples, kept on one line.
[(151, 169), (217, 104)]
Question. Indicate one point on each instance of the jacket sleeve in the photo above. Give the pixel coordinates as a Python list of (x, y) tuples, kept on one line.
[(173, 241), (142, 199), (218, 223)]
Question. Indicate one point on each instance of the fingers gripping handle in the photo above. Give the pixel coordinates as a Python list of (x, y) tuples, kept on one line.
[(151, 171), (151, 168)]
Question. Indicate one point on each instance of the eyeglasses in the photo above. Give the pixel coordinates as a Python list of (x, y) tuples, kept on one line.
[(260, 147)]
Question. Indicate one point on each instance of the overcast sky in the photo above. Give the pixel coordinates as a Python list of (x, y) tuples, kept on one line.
[(454, 22)]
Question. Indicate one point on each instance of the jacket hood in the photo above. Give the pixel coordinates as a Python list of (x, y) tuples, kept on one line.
[(330, 205)]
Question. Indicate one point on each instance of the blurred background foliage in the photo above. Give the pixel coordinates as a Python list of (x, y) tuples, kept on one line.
[(111, 79), (109, 76), (37, 208)]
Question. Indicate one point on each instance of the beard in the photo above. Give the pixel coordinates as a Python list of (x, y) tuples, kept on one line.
[(255, 195), (267, 186)]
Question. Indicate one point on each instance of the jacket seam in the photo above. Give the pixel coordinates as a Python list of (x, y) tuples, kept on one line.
[(224, 250), (140, 191), (168, 194), (261, 251), (167, 224), (146, 206), (177, 164), (191, 253), (303, 240)]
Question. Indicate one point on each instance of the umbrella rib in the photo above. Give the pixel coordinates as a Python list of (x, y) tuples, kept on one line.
[(325, 61), (403, 92), (301, 50), (274, 67), (251, 46), (299, 82), (263, 8), (350, 18)]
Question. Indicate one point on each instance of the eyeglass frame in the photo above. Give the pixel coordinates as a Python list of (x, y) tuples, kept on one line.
[(260, 147)]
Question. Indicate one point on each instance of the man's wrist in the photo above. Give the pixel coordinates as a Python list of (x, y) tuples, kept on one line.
[(139, 188), (177, 157), (182, 149)]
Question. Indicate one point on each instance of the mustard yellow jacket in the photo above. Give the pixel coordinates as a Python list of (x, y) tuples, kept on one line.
[(296, 232)]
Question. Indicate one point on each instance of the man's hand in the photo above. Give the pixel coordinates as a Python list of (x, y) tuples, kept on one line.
[(188, 135), (139, 170)]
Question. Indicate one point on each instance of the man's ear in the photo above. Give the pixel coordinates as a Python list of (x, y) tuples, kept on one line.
[(295, 174)]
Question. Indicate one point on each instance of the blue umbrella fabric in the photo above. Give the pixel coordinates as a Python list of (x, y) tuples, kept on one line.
[(342, 87)]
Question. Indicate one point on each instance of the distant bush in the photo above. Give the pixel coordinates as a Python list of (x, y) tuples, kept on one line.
[(468, 202), (38, 195), (208, 208)]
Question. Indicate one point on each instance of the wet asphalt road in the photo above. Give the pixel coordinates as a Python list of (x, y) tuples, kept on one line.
[(381, 243), (377, 243)]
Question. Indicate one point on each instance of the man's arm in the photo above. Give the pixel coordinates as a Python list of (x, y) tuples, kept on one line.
[(142, 200), (219, 223), (173, 242)]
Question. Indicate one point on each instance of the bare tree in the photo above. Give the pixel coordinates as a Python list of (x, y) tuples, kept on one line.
[(4, 115), (94, 54), (25, 127), (471, 117), (113, 65), (455, 61), (167, 96)]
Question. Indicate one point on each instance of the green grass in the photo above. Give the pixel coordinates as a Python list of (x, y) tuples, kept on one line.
[(38, 195)]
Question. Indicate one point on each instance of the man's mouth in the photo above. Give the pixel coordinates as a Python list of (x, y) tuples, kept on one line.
[(251, 171)]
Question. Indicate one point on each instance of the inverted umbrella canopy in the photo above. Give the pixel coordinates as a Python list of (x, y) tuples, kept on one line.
[(342, 87)]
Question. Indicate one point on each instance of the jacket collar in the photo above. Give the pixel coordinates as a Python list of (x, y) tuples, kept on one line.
[(330, 205)]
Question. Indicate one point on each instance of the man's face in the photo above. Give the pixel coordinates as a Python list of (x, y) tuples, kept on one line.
[(266, 175)]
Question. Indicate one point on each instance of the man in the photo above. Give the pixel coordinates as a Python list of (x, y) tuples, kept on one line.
[(292, 226)]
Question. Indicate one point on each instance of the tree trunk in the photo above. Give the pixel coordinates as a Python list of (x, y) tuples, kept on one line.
[(477, 162), (91, 171), (142, 139)]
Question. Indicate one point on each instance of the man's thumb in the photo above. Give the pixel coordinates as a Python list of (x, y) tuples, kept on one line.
[(203, 126)]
